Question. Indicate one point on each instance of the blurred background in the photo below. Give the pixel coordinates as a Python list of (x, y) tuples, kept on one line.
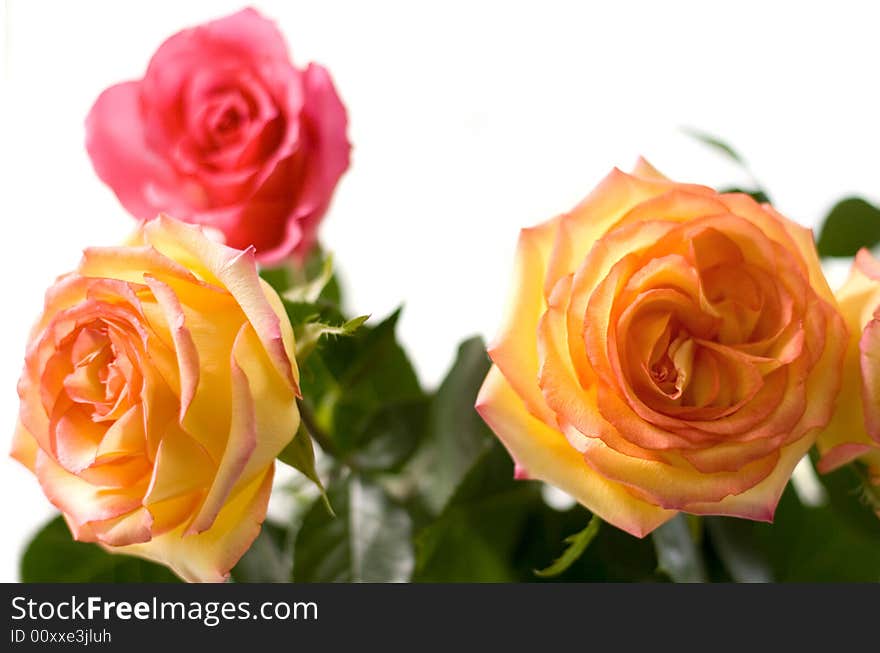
[(469, 120)]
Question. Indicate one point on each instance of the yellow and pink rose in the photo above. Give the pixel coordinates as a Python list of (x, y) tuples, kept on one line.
[(667, 348), (158, 388), (854, 432)]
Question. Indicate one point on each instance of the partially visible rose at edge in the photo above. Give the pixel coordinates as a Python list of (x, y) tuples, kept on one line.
[(854, 431), (667, 348), (224, 131), (159, 385)]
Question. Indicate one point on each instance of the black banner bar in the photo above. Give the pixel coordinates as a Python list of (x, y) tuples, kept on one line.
[(412, 617)]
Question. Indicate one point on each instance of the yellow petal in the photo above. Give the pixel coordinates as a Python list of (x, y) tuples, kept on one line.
[(130, 264), (759, 502), (644, 169), (675, 486), (601, 210), (240, 444), (546, 455), (846, 438), (806, 247), (184, 347), (275, 411), (182, 465), (24, 447), (208, 556), (235, 270), (515, 350)]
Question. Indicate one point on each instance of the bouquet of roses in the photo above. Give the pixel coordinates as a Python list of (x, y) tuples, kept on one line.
[(670, 355)]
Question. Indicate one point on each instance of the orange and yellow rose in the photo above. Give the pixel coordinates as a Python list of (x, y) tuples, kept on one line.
[(667, 348), (159, 385), (854, 431)]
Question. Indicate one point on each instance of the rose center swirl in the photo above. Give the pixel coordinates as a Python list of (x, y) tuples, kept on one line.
[(696, 328)]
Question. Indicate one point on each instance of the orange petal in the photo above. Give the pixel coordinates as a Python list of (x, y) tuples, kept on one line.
[(118, 474), (125, 437), (759, 502), (776, 227), (76, 439), (208, 556), (590, 220), (547, 455), (806, 247), (132, 528), (24, 447), (677, 486), (604, 255), (79, 500), (515, 350)]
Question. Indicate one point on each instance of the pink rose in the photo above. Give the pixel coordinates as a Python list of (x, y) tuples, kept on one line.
[(224, 131)]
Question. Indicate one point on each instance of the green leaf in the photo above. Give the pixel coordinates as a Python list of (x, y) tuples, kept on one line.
[(715, 143), (374, 354), (311, 280), (311, 332), (736, 547), (277, 277), (476, 536), (457, 436), (852, 224), (677, 554), (53, 556), (354, 387), (758, 195), (314, 267), (300, 454), (363, 395), (577, 544), (266, 561), (370, 539), (391, 436), (814, 544), (310, 290), (614, 555), (346, 328), (310, 293), (846, 489), (302, 313)]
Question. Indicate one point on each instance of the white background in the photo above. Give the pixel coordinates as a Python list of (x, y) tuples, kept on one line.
[(469, 120)]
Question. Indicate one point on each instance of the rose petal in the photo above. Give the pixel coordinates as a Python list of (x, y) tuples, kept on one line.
[(514, 350), (547, 456), (116, 142), (235, 270), (208, 556)]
